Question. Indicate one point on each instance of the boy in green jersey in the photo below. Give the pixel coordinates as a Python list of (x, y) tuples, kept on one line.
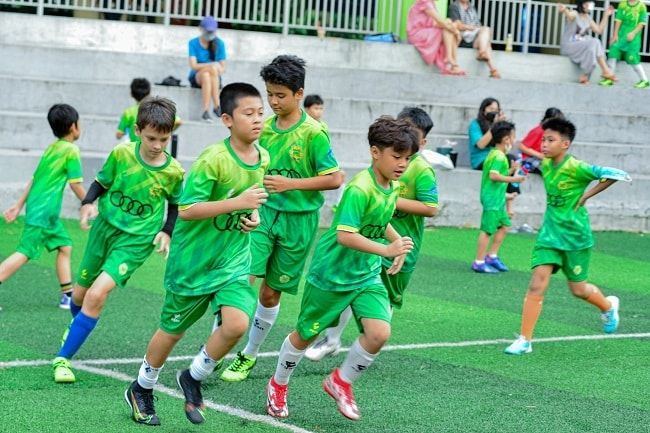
[(133, 186), (346, 270), (418, 198), (209, 262), (494, 219), (565, 239), (630, 20), (60, 164), (315, 106), (302, 165)]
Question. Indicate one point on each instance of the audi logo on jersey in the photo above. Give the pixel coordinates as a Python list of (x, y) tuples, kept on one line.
[(229, 221), (130, 205)]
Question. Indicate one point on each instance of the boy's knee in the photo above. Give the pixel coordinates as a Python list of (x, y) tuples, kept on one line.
[(65, 251), (268, 297), (378, 336), (234, 329)]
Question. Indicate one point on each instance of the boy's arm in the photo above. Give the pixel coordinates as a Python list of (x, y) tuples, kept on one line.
[(498, 177), (252, 198), (598, 188), (617, 27), (88, 210), (358, 242), (276, 183), (639, 28), (78, 189), (415, 207), (12, 213)]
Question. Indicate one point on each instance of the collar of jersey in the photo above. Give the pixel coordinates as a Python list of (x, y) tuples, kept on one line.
[(148, 166), (238, 160), (284, 131), (386, 191)]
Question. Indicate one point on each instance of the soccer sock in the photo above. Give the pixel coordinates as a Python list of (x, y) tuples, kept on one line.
[(287, 361), (357, 361), (262, 324), (74, 308), (597, 299), (80, 329), (334, 333), (148, 375), (640, 72), (202, 365), (612, 65), (530, 314), (66, 289)]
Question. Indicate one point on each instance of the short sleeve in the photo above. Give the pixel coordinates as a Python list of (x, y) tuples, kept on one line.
[(192, 49), (124, 123), (221, 50), (474, 133), (176, 190), (106, 175), (619, 12), (199, 186), (73, 167), (498, 164), (351, 210), (454, 12), (586, 172), (643, 16), (322, 155), (426, 188)]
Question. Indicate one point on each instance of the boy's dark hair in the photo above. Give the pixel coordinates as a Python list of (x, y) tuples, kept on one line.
[(313, 100), (233, 92), (562, 126), (140, 88), (500, 130), (61, 117), (285, 70), (417, 117), (157, 112), (399, 134), (551, 113)]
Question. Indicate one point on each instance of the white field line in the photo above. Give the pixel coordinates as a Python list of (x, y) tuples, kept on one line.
[(389, 348)]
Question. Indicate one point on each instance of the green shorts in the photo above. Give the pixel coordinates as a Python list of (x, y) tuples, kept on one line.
[(280, 246), (574, 264), (627, 51), (396, 286), (34, 237), (113, 251), (493, 220), (320, 309), (179, 312)]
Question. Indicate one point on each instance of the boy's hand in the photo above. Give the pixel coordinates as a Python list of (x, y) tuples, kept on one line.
[(86, 213), (518, 178), (163, 240), (398, 262), (253, 197), (277, 183), (630, 36), (399, 247), (12, 213), (247, 225)]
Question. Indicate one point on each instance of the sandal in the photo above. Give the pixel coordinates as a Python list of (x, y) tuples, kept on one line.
[(494, 73)]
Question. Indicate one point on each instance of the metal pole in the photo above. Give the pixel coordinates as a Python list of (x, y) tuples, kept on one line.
[(526, 32), (606, 30), (398, 19), (285, 17), (40, 8), (168, 12)]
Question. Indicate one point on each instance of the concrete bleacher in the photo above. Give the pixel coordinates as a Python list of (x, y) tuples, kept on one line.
[(89, 64)]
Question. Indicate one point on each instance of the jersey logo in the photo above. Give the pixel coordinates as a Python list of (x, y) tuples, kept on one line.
[(315, 328), (286, 172), (296, 151), (130, 205), (284, 279), (373, 231), (123, 269), (563, 185), (230, 221), (176, 318), (84, 273), (577, 270), (155, 191), (555, 200)]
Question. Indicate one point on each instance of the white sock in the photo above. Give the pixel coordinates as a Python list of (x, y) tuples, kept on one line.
[(148, 375), (640, 72), (612, 64), (334, 333), (202, 365), (287, 362), (262, 324), (357, 361)]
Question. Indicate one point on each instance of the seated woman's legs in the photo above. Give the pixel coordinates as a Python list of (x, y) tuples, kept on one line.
[(483, 43), (451, 48), (204, 80)]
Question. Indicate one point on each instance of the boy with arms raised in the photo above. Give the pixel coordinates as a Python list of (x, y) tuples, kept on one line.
[(565, 239), (302, 165), (209, 262), (133, 186), (418, 198), (345, 271)]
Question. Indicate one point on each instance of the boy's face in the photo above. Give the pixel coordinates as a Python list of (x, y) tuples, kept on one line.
[(247, 119), (282, 100), (153, 142), (389, 163), (315, 111), (554, 144)]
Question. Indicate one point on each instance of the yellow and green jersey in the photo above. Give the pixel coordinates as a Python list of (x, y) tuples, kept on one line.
[(493, 194), (61, 163), (207, 253), (365, 208), (564, 227), (127, 122), (136, 192), (301, 151), (631, 16), (417, 183)]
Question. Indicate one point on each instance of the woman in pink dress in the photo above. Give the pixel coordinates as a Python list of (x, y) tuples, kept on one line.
[(435, 37)]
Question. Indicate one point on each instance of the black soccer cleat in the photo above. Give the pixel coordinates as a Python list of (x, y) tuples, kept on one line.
[(194, 406), (140, 401)]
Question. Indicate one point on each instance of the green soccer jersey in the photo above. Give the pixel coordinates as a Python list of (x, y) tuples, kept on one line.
[(630, 16), (301, 151), (417, 183), (565, 228), (208, 253), (61, 163), (136, 191), (366, 208), (493, 194), (127, 122)]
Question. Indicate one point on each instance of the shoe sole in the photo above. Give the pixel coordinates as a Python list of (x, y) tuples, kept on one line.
[(327, 389), (65, 379), (530, 350), (128, 402), (188, 414)]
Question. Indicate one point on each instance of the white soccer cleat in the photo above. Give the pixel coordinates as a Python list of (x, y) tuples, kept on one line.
[(519, 346), (610, 317), (322, 348)]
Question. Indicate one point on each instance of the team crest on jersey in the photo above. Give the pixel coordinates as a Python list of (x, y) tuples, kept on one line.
[(577, 270), (155, 191), (296, 152), (403, 190), (123, 269), (284, 279), (563, 185)]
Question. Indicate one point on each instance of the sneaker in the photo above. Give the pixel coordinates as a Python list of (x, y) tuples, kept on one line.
[(64, 303), (321, 349), (341, 391), (193, 398), (519, 346), (643, 84), (276, 399), (217, 111), (483, 268), (606, 82), (496, 263), (140, 401), (239, 369), (610, 317), (62, 370), (206, 117), (525, 228)]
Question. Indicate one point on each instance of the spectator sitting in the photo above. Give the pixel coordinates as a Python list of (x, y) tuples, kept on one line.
[(531, 145), (207, 62), (480, 135), (473, 34)]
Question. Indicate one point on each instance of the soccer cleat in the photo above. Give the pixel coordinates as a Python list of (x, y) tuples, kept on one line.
[(206, 117), (519, 346), (483, 268), (496, 263), (140, 401), (321, 349), (341, 391), (62, 370), (643, 84), (610, 317), (64, 303), (606, 82), (276, 399), (239, 369), (193, 398)]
